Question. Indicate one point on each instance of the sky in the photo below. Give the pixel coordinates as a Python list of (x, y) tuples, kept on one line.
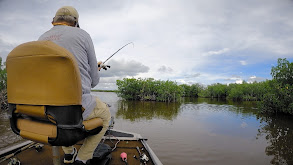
[(187, 41)]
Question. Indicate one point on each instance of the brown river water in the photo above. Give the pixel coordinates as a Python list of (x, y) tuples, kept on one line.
[(197, 131)]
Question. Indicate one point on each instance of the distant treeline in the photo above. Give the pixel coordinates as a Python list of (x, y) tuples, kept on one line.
[(149, 89), (169, 91), (274, 95)]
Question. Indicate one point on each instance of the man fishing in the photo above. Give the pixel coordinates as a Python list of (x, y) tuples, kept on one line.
[(66, 33)]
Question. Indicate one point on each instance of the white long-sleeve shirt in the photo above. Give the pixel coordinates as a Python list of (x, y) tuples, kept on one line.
[(79, 43)]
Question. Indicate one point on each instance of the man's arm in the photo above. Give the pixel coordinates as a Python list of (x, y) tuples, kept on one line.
[(92, 60)]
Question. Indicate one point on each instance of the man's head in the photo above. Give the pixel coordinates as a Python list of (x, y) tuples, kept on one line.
[(66, 15)]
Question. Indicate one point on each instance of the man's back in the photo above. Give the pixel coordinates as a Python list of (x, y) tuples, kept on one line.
[(79, 43)]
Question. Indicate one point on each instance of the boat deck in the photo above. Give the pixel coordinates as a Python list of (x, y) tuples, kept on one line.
[(126, 144)]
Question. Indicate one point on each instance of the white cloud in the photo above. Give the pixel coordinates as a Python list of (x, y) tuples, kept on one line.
[(239, 81), (243, 62), (253, 79), (222, 51)]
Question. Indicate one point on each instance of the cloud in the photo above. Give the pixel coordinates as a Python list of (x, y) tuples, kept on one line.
[(234, 79), (253, 79), (165, 69), (5, 48), (243, 62), (123, 68), (107, 83), (195, 75), (218, 52)]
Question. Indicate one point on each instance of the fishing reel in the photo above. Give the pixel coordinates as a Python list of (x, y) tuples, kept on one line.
[(142, 156), (103, 66)]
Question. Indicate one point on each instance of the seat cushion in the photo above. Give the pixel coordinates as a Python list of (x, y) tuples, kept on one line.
[(39, 128)]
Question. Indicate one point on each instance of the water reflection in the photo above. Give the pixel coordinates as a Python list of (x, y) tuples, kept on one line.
[(136, 110), (246, 108), (239, 120), (277, 130), (278, 133)]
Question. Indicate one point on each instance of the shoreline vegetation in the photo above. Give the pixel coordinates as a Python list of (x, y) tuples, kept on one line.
[(273, 96)]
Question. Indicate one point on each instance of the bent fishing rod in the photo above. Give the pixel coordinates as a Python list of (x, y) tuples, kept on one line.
[(113, 55)]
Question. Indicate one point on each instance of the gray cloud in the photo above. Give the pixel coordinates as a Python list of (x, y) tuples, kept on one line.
[(5, 48), (165, 69), (193, 75), (122, 68)]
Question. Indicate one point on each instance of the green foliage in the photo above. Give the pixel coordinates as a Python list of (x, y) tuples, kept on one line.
[(283, 72), (248, 92), (215, 91), (279, 96), (237, 92), (3, 85), (149, 89), (166, 91), (191, 90)]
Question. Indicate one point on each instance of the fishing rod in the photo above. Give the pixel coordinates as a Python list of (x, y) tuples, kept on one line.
[(117, 51), (105, 67)]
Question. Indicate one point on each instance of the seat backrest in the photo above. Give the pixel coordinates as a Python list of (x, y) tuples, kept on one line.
[(42, 73), (44, 93)]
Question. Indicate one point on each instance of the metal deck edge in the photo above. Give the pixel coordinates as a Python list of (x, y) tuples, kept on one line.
[(14, 147)]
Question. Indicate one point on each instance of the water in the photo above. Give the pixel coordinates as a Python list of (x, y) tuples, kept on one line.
[(200, 131)]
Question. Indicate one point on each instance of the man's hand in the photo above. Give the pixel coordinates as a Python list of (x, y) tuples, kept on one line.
[(102, 65)]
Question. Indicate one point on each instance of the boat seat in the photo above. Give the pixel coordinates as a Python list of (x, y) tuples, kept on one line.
[(44, 95)]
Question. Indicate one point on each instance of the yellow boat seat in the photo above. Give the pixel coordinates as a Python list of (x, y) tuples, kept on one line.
[(44, 95)]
